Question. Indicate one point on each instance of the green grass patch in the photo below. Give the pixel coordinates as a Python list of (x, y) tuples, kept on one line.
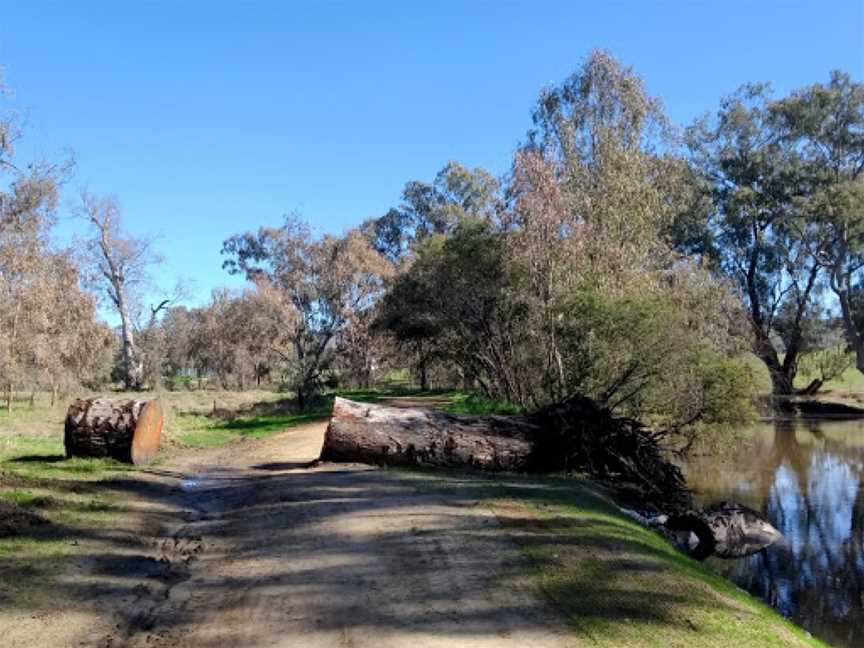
[(36, 478), (472, 403), (624, 585), (204, 432), (849, 380)]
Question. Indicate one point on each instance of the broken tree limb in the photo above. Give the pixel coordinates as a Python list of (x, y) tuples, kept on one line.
[(376, 434), (123, 429)]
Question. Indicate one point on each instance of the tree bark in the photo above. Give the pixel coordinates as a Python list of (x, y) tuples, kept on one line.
[(125, 430), (394, 436), (131, 366)]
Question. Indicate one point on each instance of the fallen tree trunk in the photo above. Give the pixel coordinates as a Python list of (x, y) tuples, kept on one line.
[(125, 430), (360, 432), (574, 435)]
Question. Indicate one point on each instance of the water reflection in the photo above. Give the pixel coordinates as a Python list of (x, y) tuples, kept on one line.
[(806, 477)]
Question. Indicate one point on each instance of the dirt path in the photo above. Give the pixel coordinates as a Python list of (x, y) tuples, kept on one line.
[(250, 545)]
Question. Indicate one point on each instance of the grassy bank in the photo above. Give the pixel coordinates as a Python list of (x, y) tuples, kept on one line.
[(618, 584)]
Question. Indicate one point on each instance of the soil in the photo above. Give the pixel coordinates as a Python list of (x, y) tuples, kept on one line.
[(254, 544), (14, 519)]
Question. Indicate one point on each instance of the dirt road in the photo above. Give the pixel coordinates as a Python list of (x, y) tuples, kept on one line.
[(251, 545)]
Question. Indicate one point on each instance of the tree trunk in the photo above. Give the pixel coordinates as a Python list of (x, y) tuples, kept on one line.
[(301, 398), (394, 436), (424, 377), (614, 448), (841, 284), (125, 430), (131, 366), (724, 530)]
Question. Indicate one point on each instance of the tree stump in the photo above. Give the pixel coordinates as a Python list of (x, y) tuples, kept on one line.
[(376, 434), (125, 430)]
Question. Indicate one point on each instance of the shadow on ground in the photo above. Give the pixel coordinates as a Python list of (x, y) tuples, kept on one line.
[(289, 548)]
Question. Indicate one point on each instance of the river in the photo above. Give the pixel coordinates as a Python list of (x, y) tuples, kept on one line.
[(807, 477)]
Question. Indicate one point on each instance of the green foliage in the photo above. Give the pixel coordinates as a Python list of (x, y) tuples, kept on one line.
[(431, 209), (459, 302), (643, 355), (727, 386)]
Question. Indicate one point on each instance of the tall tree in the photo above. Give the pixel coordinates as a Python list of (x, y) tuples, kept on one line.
[(825, 122), (765, 243), (48, 331), (326, 279), (118, 269), (434, 208)]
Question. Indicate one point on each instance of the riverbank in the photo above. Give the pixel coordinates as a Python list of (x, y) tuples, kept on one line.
[(618, 583), (598, 577)]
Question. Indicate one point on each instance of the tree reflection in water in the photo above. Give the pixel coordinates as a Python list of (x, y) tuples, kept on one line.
[(806, 477)]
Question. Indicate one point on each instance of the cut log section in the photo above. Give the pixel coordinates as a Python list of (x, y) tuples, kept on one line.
[(376, 434), (125, 430)]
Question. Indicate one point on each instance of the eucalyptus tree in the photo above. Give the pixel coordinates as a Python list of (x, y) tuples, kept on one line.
[(48, 332), (612, 146), (825, 122), (118, 269), (765, 241), (604, 220), (326, 280), (573, 284), (458, 302), (456, 193)]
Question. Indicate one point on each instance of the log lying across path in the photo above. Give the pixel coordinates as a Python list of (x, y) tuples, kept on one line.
[(418, 437), (123, 429), (574, 435)]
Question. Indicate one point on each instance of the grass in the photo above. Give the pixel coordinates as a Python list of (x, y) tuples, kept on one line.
[(617, 583), (472, 403), (204, 432), (37, 480), (624, 585), (850, 380)]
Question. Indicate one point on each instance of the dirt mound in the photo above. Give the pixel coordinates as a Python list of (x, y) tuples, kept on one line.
[(14, 519)]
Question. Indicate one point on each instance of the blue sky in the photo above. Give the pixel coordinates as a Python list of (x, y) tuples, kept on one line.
[(210, 118)]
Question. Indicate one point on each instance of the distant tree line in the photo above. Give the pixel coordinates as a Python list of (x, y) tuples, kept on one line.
[(621, 258)]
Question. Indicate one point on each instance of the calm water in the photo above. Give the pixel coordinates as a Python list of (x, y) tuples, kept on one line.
[(807, 477)]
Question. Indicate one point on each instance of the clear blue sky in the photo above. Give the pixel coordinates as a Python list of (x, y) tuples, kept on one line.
[(210, 118)]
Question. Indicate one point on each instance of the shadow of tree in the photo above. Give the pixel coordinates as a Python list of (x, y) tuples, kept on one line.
[(293, 550)]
